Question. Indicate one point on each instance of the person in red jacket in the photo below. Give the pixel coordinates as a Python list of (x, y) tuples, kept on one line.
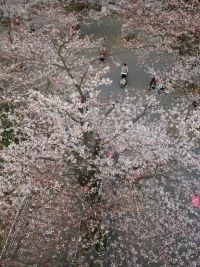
[(103, 54)]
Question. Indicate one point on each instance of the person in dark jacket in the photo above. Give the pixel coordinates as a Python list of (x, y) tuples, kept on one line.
[(153, 83)]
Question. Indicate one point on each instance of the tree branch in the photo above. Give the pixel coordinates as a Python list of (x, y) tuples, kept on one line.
[(67, 69)]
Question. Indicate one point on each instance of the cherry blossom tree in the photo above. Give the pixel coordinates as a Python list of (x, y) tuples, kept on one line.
[(88, 180)]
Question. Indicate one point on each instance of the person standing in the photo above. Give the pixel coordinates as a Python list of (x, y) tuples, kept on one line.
[(103, 53), (124, 72)]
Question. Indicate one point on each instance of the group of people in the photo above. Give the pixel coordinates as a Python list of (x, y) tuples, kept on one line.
[(103, 55), (157, 84), (124, 71)]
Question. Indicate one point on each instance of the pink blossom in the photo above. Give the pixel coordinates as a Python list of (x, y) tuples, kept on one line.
[(109, 154), (195, 201)]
